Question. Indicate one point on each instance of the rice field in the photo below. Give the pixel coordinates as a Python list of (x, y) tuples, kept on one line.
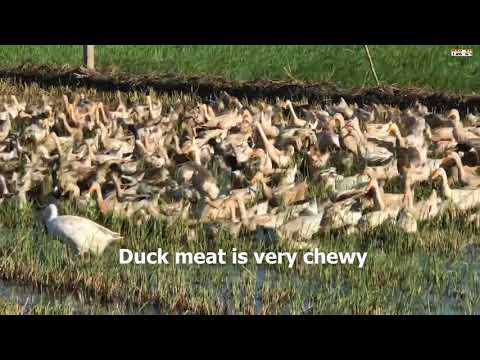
[(434, 271)]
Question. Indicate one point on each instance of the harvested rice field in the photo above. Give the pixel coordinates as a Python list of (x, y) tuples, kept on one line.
[(147, 170)]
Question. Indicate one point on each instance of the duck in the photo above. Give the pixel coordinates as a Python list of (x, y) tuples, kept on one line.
[(265, 166), (226, 120), (424, 209), (340, 214), (466, 175), (346, 183), (265, 118), (411, 152), (423, 173), (327, 139), (348, 135), (296, 121), (388, 207), (290, 193), (382, 172), (219, 209), (444, 133), (407, 222), (281, 158), (83, 234), (224, 207), (11, 155), (462, 136), (130, 194), (300, 229), (376, 131), (15, 108), (109, 204), (373, 219), (384, 200), (154, 111), (252, 219), (201, 178), (316, 160), (462, 199), (343, 108), (356, 142), (298, 137)]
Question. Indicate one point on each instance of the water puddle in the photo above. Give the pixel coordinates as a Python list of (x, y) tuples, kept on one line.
[(461, 297), (27, 297), (260, 279)]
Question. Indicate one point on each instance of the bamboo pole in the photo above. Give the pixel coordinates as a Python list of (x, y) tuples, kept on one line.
[(371, 64), (89, 56)]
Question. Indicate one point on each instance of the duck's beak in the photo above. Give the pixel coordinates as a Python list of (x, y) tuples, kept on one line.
[(368, 188), (391, 130)]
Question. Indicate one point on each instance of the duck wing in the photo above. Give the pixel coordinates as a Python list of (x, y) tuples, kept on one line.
[(408, 157), (328, 138), (72, 226), (377, 155)]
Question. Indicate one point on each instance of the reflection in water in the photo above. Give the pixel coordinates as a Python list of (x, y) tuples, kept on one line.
[(27, 297), (461, 296), (260, 278)]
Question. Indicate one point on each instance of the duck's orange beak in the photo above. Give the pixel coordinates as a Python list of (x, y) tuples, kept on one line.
[(391, 130), (369, 187), (103, 208)]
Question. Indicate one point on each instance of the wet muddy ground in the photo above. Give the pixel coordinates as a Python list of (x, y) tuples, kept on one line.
[(207, 88), (77, 303)]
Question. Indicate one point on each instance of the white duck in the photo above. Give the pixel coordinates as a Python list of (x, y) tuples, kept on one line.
[(84, 234), (463, 199)]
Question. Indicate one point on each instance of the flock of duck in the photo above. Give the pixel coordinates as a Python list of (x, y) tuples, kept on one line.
[(237, 167)]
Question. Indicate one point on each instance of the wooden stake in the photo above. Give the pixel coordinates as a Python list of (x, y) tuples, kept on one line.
[(89, 56), (371, 65)]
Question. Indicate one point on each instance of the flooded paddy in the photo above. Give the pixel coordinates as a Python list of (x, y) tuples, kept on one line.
[(453, 289), (432, 269)]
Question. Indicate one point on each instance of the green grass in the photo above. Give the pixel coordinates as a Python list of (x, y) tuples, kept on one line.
[(407, 65)]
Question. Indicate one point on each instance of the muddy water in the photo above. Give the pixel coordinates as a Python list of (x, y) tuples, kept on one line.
[(260, 279), (469, 264), (27, 297)]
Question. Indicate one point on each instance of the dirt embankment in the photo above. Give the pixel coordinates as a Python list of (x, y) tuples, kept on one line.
[(207, 88)]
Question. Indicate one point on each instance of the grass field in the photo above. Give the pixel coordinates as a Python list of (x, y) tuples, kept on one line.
[(413, 65)]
